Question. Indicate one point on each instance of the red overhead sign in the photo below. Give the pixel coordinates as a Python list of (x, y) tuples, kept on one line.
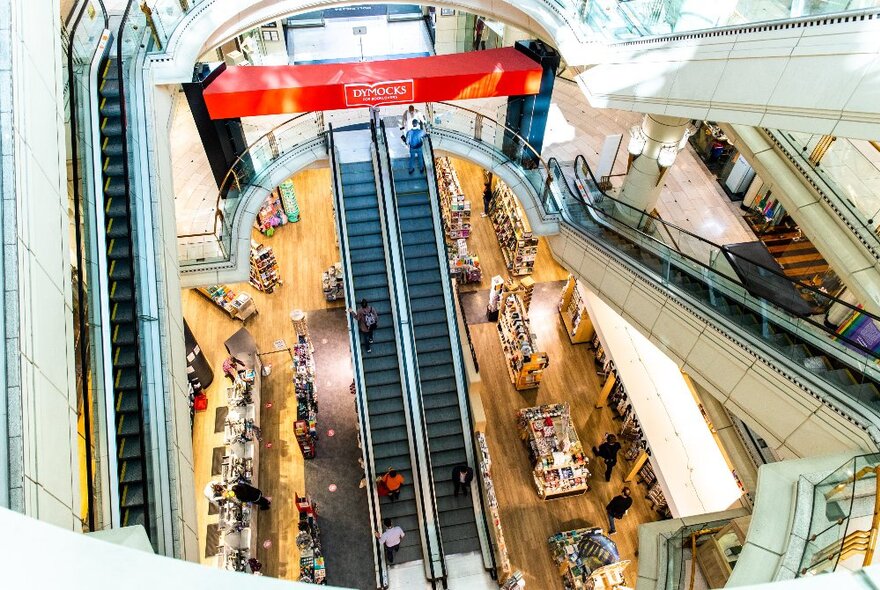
[(247, 91)]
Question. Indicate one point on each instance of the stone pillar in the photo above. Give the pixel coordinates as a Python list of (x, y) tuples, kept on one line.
[(641, 187)]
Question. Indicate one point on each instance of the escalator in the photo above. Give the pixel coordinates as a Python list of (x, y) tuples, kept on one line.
[(592, 213), (426, 273), (362, 234), (124, 372)]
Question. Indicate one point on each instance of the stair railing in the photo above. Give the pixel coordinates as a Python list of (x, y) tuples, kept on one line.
[(435, 562), (457, 354), (359, 381)]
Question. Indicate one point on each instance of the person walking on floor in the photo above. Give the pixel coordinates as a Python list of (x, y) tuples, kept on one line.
[(390, 539), (414, 139), (462, 476), (406, 122), (367, 318), (608, 451), (245, 492), (393, 482), (487, 196), (230, 368), (617, 508)]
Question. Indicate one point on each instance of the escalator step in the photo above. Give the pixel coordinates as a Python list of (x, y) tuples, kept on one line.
[(448, 413), (389, 391), (125, 378), (379, 407), (127, 424), (117, 227), (396, 433), (441, 358), (446, 428), (121, 311), (439, 400), (433, 372), (458, 532), (358, 203), (864, 392), (110, 108), (128, 447), (111, 126), (119, 269), (456, 546), (432, 344), (131, 470), (120, 291), (132, 495), (362, 219), (115, 206), (111, 147), (109, 88), (118, 248), (365, 189), (122, 334), (424, 277), (412, 212), (370, 281), (418, 224)]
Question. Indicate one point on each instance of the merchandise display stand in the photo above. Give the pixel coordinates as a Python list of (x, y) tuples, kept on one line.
[(288, 201), (456, 210), (332, 282), (519, 246), (560, 465), (574, 313), (237, 521), (264, 268), (463, 266), (271, 215), (298, 319), (239, 306), (524, 288), (587, 560), (502, 558), (306, 425), (525, 364), (308, 540)]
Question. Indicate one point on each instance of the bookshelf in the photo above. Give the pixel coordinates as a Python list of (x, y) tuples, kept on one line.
[(455, 209), (525, 364), (574, 313), (264, 268), (518, 245)]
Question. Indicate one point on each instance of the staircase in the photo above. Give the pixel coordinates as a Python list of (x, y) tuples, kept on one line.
[(851, 380), (126, 384), (434, 348), (382, 381)]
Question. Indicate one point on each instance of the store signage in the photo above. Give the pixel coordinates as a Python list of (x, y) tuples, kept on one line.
[(378, 93)]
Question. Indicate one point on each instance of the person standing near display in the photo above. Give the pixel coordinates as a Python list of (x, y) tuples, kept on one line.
[(487, 196), (406, 122), (608, 451), (617, 508), (230, 368), (462, 476), (414, 139), (393, 482), (245, 492), (390, 539), (367, 318)]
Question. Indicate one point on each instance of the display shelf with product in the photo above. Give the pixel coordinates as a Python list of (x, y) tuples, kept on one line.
[(288, 201), (523, 288), (306, 425), (239, 306), (463, 266), (560, 467), (308, 541), (525, 364), (455, 209), (518, 245), (264, 268), (587, 559), (574, 313), (502, 557), (332, 282), (271, 214)]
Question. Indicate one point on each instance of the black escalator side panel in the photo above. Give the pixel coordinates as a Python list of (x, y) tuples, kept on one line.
[(126, 363)]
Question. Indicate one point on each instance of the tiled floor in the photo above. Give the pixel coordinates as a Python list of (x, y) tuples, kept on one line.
[(691, 198)]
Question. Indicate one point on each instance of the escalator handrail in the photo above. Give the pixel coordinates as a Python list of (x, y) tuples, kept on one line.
[(579, 197), (456, 345), (797, 284), (367, 445), (429, 472)]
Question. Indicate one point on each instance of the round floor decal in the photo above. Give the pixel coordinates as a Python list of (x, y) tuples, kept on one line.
[(332, 487), (331, 432)]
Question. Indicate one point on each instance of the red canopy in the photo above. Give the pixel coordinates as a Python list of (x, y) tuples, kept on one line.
[(271, 90)]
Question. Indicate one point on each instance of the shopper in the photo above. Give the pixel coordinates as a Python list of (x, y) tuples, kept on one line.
[(487, 196), (367, 318), (462, 476), (230, 368), (393, 481), (245, 492), (406, 122), (414, 139), (608, 451), (215, 492), (617, 508), (390, 539)]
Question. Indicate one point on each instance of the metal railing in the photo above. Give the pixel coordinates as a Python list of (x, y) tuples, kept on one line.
[(434, 557), (363, 414), (845, 518), (681, 553)]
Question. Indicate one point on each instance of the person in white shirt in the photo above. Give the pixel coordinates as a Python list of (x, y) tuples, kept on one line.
[(215, 492), (406, 122), (390, 539)]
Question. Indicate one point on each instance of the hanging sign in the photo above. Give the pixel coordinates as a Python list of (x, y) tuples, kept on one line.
[(378, 93)]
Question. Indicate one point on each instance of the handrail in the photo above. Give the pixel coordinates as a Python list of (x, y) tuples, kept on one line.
[(231, 174), (405, 303), (799, 285), (82, 311), (366, 446), (458, 358), (875, 521)]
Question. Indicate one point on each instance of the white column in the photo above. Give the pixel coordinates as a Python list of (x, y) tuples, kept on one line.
[(641, 187)]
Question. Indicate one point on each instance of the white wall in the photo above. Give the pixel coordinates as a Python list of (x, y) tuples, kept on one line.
[(44, 464)]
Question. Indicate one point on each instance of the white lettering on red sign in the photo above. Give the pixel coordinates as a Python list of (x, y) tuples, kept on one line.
[(364, 95)]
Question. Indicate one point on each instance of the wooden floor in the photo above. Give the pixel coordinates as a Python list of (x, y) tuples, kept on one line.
[(304, 250), (526, 519)]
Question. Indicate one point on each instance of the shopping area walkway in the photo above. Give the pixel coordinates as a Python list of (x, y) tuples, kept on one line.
[(691, 199)]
